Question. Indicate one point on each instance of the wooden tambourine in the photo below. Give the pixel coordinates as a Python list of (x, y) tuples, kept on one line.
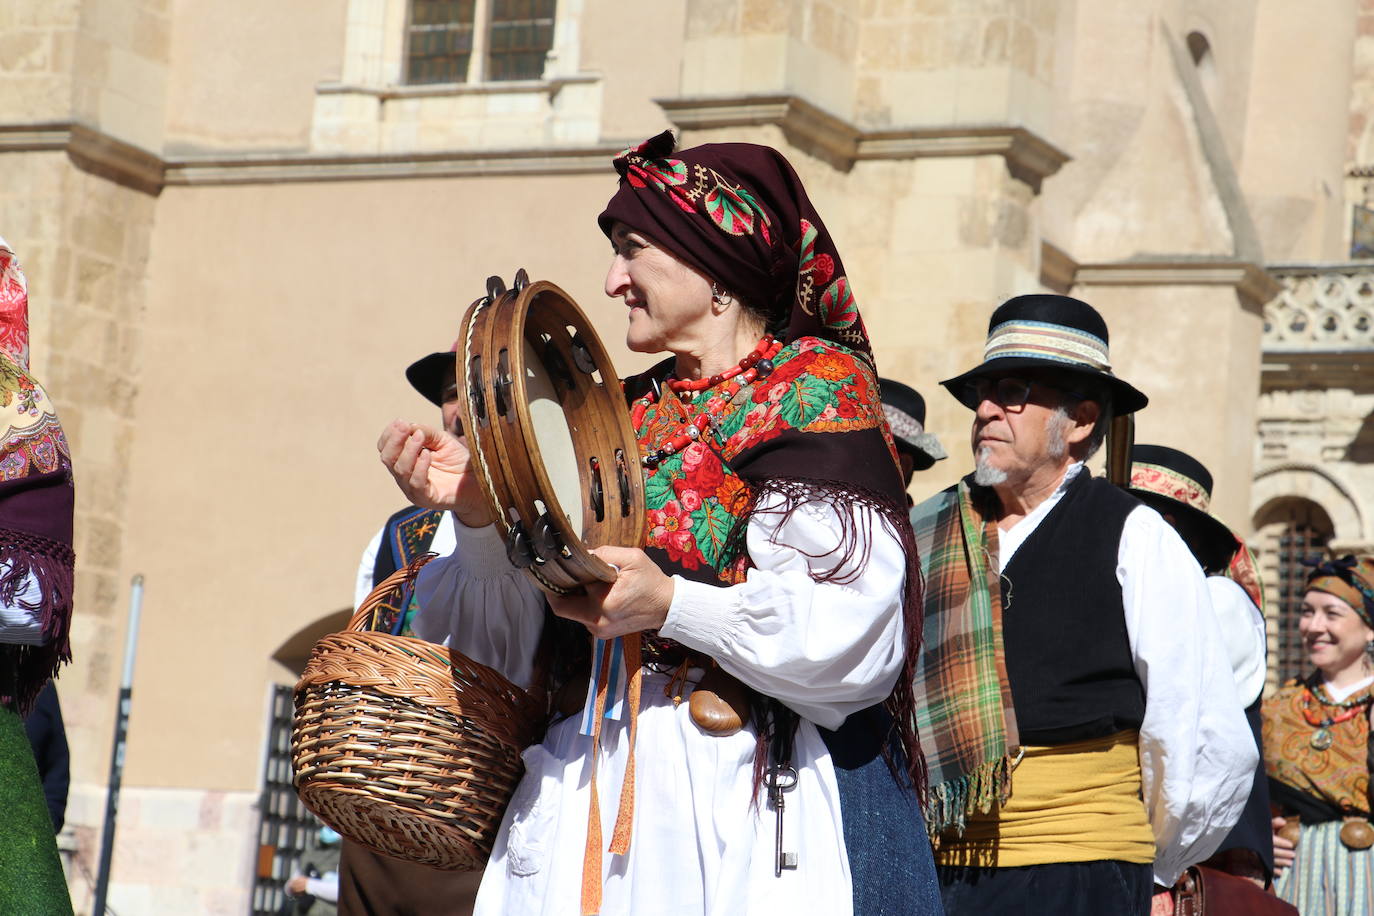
[(549, 433)]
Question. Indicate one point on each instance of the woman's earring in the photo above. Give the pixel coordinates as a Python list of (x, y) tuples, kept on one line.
[(1369, 648), (720, 296)]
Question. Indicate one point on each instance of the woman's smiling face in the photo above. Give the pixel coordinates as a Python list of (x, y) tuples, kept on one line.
[(1333, 633), (667, 299)]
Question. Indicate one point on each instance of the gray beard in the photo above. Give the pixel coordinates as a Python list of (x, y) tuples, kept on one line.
[(984, 474)]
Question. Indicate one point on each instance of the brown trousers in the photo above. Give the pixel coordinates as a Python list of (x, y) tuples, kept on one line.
[(371, 884)]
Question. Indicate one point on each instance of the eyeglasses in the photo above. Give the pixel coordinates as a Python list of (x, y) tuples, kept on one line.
[(1009, 392)]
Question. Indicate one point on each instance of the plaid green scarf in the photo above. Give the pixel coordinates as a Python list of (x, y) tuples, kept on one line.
[(964, 712)]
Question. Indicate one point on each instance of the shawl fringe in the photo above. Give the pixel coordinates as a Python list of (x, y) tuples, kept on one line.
[(52, 563), (950, 804), (850, 558)]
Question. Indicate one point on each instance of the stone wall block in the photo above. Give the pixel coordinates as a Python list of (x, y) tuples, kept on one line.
[(707, 18), (25, 51), (98, 542), (997, 40), (933, 7), (99, 233), (880, 47), (1023, 47), (922, 45), (963, 44), (95, 282), (832, 29), (152, 36), (764, 15)]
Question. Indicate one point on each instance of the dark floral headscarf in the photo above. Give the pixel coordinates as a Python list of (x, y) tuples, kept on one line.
[(738, 213)]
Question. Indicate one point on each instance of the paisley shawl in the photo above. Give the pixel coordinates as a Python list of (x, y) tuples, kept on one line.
[(1336, 779)]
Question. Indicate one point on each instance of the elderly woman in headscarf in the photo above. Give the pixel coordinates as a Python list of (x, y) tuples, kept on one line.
[(36, 569), (779, 565)]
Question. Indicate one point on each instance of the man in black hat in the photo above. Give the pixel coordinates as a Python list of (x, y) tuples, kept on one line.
[(371, 883), (1179, 488), (905, 410), (1080, 723)]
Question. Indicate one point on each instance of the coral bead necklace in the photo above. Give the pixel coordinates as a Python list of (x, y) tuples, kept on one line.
[(758, 364), (1322, 737)]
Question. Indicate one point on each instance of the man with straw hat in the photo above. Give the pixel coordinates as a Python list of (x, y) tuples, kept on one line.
[(1076, 710)]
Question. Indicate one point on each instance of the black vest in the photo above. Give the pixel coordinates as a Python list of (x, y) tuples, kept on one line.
[(1063, 623)]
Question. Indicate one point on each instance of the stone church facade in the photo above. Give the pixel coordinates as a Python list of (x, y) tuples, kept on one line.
[(241, 221)]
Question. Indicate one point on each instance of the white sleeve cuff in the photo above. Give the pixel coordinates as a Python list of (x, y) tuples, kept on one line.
[(482, 551), (702, 617)]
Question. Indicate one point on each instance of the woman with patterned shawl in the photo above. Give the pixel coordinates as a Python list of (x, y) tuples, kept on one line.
[(36, 560), (1316, 749), (778, 566)]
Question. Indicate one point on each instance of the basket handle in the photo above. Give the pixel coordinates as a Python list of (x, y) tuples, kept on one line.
[(401, 583)]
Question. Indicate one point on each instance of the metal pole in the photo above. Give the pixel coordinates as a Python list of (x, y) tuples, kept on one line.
[(126, 682)]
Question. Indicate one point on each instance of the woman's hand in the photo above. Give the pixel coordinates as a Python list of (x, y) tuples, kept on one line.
[(433, 469), (637, 600), (1283, 847)]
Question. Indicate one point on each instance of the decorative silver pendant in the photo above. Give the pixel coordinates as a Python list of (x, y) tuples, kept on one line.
[(1321, 739)]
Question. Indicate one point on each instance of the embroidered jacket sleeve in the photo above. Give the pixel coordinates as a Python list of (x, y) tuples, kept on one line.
[(1197, 755), (826, 649), (19, 622)]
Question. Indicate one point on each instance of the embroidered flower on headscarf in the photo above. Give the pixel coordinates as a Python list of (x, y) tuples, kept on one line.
[(831, 368)]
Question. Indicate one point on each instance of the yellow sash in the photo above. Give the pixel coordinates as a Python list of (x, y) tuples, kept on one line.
[(1077, 802)]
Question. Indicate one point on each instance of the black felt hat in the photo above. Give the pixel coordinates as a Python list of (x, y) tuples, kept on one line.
[(1045, 331), (1175, 483), (426, 374), (906, 415)]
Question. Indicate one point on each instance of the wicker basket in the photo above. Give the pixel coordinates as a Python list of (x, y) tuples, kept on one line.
[(404, 746)]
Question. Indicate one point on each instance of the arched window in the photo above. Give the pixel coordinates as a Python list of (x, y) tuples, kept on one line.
[(1289, 531), (1200, 50)]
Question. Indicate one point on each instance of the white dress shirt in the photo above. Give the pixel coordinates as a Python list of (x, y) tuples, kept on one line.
[(700, 843), (1197, 754), (1242, 630)]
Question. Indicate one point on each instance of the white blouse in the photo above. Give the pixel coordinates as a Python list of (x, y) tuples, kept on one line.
[(1197, 753), (700, 844), (18, 625)]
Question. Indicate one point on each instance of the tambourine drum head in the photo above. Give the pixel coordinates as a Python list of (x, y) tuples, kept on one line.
[(553, 434)]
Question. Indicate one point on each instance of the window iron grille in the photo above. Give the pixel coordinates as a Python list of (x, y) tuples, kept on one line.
[(284, 824)]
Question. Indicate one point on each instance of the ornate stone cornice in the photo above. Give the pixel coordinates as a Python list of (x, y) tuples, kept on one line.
[(101, 154), (91, 150), (297, 167), (1252, 283), (1029, 157)]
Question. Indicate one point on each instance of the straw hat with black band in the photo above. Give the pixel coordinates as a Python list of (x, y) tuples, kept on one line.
[(1048, 332), (1177, 485)]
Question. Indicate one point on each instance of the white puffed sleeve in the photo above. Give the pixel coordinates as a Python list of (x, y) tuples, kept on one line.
[(1242, 630), (20, 626), (1197, 754), (477, 602), (825, 649)]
